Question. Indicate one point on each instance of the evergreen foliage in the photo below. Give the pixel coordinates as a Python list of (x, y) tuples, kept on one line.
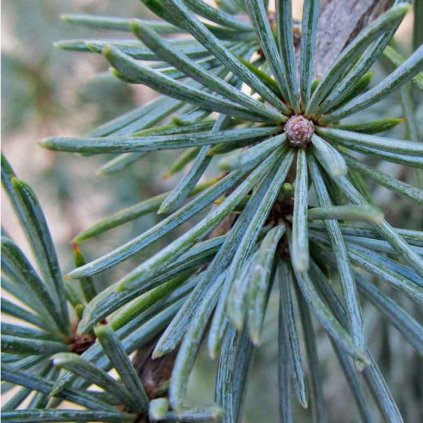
[(292, 212)]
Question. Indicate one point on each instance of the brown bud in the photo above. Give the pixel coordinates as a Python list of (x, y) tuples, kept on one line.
[(299, 130)]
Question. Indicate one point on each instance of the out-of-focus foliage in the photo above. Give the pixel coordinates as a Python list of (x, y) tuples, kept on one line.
[(37, 77)]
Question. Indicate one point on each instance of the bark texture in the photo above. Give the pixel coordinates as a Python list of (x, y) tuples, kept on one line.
[(339, 22)]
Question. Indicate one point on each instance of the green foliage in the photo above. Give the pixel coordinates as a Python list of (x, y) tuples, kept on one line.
[(289, 215)]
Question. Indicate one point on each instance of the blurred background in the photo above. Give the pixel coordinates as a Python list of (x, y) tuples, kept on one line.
[(51, 92)]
